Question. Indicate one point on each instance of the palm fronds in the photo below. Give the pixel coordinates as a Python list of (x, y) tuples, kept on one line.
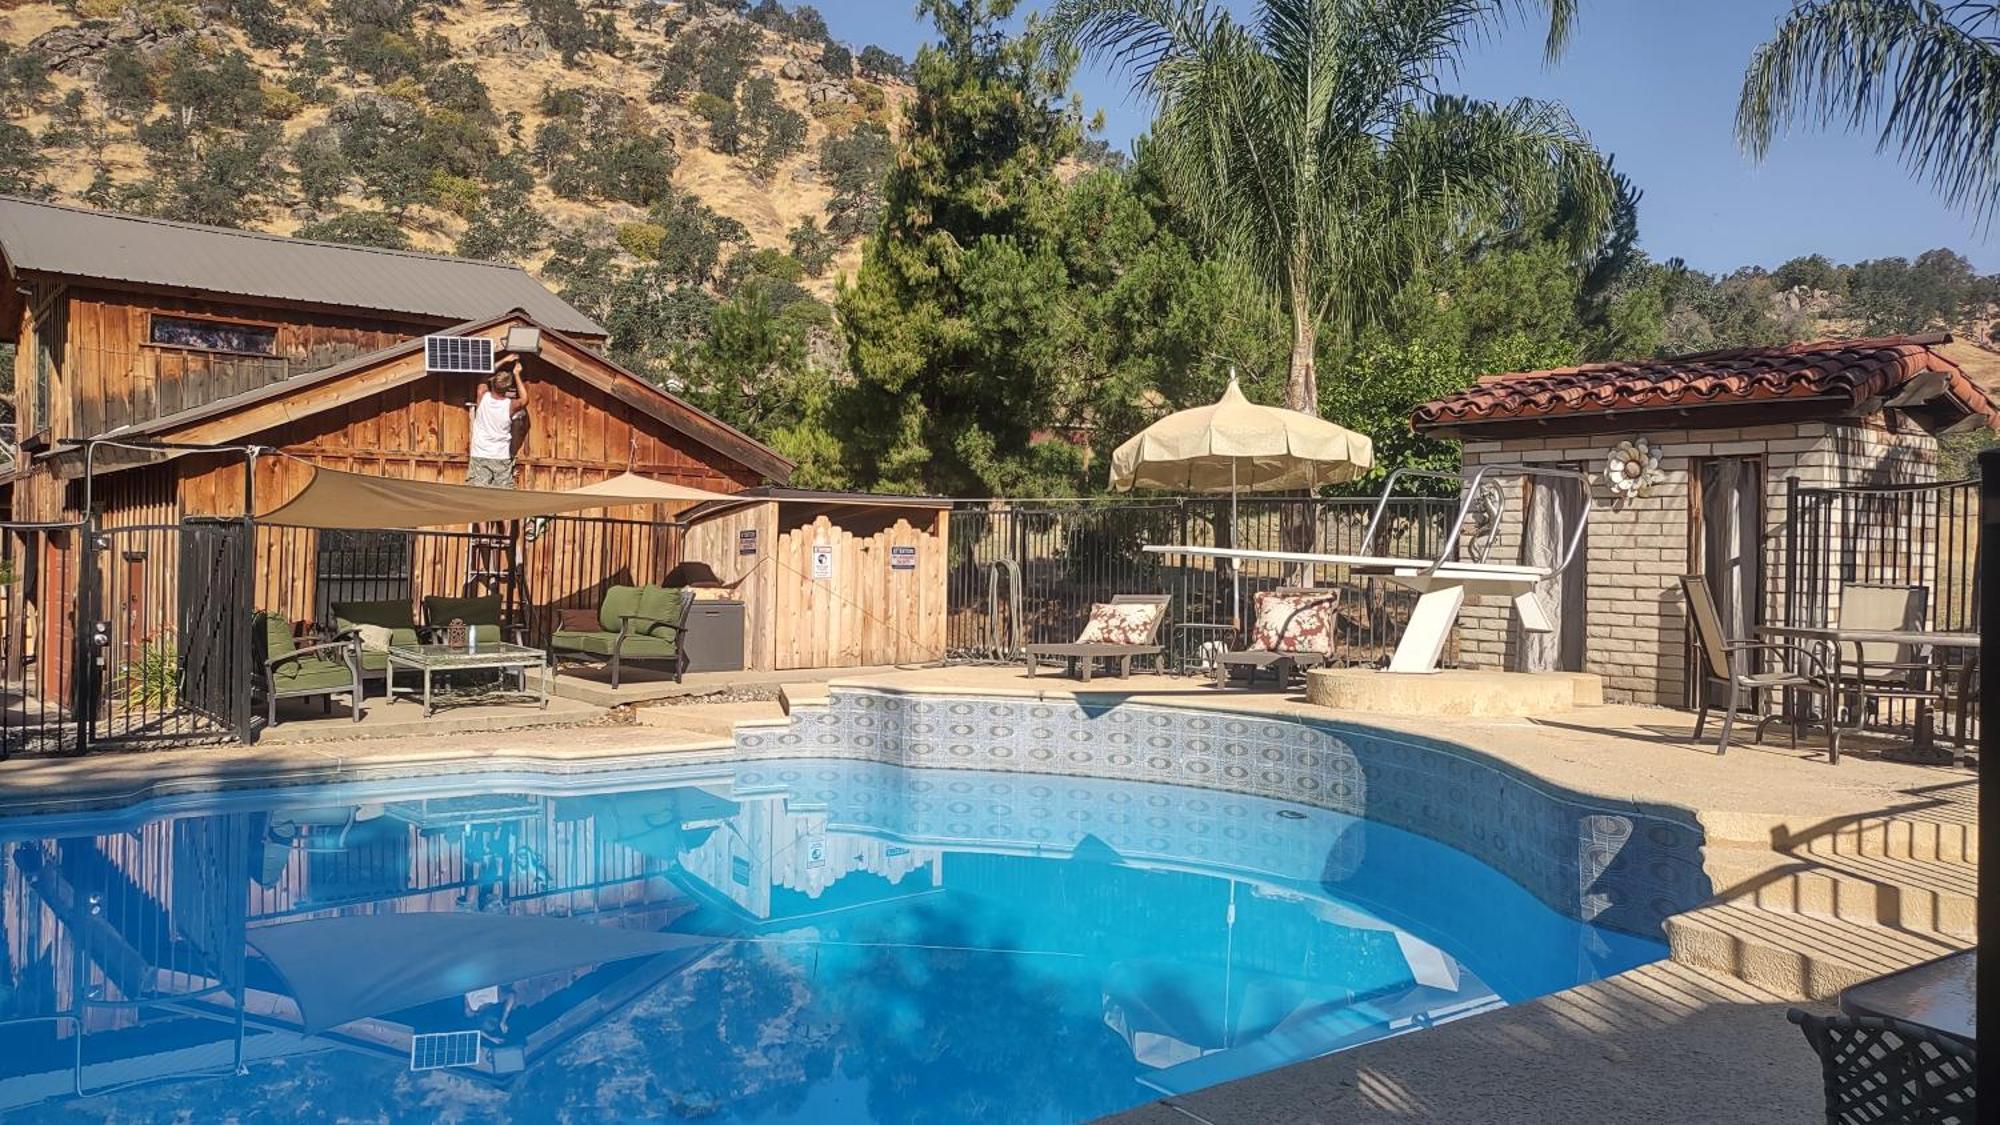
[(1924, 75)]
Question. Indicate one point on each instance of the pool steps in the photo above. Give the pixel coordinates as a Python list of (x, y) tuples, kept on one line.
[(1809, 913)]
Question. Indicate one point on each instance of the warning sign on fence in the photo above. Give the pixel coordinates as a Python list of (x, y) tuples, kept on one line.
[(902, 558), (822, 563)]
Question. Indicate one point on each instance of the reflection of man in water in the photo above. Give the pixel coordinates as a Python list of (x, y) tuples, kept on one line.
[(488, 1010)]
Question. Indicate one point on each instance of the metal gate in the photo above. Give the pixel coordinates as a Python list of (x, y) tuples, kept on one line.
[(123, 636), (167, 649)]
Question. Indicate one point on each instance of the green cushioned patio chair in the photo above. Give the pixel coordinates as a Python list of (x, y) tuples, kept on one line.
[(486, 616), (290, 670), (633, 623), (395, 616)]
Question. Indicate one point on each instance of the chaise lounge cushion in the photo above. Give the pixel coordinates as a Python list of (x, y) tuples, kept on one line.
[(484, 614)]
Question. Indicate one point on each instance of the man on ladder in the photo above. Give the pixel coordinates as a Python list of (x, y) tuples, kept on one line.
[(499, 411)]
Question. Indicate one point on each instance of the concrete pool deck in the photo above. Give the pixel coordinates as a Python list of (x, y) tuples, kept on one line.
[(1824, 875)]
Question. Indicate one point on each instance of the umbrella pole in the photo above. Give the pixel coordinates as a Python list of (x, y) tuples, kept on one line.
[(1236, 536)]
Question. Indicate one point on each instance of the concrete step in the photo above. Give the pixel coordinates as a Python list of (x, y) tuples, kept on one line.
[(1894, 837), (1925, 897), (1798, 956)]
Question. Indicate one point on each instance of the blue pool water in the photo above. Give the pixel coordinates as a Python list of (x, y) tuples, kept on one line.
[(790, 941)]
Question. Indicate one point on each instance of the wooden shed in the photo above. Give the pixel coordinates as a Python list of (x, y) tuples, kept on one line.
[(828, 579)]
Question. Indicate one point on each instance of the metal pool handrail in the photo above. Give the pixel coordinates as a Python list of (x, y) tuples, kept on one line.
[(1469, 494)]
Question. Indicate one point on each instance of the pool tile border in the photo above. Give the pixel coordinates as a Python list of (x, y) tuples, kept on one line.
[(1604, 861)]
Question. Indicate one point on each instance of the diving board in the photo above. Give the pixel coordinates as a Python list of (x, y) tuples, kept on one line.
[(1443, 583)]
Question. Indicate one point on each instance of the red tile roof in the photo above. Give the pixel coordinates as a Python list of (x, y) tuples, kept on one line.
[(1829, 378)]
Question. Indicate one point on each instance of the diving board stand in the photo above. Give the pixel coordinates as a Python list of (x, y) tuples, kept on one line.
[(1442, 584)]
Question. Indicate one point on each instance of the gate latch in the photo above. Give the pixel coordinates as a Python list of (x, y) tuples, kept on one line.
[(100, 634)]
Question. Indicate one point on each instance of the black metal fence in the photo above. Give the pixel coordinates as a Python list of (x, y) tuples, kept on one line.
[(123, 636), (1925, 536), (1028, 572)]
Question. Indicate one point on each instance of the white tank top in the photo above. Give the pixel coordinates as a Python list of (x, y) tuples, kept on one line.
[(493, 428)]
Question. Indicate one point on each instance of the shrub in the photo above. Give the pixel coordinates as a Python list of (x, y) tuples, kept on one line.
[(153, 679), (459, 195), (642, 240), (359, 228), (281, 104)]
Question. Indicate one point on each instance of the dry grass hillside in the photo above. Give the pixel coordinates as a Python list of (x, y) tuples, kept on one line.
[(516, 66)]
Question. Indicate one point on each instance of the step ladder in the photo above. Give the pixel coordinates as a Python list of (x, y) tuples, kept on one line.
[(493, 567)]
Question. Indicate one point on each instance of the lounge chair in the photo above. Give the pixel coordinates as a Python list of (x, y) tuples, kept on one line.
[(289, 670), (1726, 662), (632, 623), (1125, 627), (1293, 631)]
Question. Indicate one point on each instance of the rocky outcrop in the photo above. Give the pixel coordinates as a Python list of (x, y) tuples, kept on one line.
[(77, 50), (514, 41)]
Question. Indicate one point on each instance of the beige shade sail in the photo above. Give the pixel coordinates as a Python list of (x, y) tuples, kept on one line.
[(1237, 445), (355, 501)]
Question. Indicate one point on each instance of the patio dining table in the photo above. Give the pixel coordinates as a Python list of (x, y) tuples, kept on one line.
[(1840, 639)]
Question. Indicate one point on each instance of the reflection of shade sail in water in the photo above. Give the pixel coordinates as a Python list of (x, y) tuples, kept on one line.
[(349, 968)]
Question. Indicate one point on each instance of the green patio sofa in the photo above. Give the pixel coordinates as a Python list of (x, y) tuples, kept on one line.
[(289, 670), (394, 615), (646, 623)]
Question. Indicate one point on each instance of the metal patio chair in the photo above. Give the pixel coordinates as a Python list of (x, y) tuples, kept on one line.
[(1882, 1070), (1871, 672), (1728, 662)]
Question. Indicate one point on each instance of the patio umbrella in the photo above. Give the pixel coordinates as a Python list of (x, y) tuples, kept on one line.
[(1236, 445)]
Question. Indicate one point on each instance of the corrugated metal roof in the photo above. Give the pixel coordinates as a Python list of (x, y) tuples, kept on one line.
[(104, 245)]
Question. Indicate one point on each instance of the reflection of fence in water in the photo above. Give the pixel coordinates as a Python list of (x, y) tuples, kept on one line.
[(1074, 554)]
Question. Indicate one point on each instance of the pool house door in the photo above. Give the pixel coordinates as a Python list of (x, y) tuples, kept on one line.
[(1727, 543)]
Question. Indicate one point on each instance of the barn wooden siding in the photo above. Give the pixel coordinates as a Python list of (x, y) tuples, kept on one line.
[(119, 378)]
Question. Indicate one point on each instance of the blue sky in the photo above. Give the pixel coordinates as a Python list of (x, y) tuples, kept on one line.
[(1654, 82)]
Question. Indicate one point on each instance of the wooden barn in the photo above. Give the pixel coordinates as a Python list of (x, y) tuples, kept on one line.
[(149, 339)]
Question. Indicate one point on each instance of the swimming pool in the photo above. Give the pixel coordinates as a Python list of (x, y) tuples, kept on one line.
[(779, 940)]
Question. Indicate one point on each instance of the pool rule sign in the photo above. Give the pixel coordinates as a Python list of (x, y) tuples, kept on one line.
[(902, 557)]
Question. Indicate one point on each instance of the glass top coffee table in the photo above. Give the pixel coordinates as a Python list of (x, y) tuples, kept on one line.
[(498, 656)]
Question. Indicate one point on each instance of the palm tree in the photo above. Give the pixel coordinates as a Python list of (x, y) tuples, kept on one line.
[(1926, 73), (1312, 142)]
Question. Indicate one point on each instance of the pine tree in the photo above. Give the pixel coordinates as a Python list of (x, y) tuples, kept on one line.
[(946, 395)]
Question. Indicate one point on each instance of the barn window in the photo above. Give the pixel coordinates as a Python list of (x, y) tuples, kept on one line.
[(213, 335)]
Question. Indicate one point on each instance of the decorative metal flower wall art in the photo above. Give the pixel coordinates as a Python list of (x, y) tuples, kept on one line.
[(1632, 469)]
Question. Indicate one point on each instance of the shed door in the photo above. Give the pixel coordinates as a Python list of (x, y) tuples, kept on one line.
[(1729, 535), (1554, 507)]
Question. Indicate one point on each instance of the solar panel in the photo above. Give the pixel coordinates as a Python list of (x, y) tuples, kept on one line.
[(436, 1050), (460, 354)]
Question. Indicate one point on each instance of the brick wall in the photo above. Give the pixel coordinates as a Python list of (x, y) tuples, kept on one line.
[(1636, 634)]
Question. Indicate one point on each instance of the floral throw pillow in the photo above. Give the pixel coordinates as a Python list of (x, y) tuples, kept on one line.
[(1119, 624), (1293, 622)]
